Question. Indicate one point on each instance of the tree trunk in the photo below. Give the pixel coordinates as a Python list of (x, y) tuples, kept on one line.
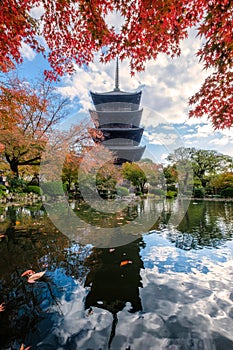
[(14, 168), (14, 164)]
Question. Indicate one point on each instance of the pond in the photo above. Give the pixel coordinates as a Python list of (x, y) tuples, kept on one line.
[(168, 288)]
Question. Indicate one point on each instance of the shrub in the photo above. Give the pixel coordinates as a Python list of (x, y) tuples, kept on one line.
[(198, 192), (16, 185), (172, 187), (54, 188), (157, 191), (227, 192), (138, 193), (171, 194), (34, 189), (188, 193), (122, 191), (2, 190)]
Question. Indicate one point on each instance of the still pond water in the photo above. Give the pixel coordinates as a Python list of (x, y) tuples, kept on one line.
[(171, 288)]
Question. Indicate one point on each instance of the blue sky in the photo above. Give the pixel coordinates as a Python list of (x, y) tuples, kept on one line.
[(166, 87)]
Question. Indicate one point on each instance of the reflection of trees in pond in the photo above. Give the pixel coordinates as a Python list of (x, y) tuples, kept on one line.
[(102, 219), (39, 247), (35, 243), (113, 285), (204, 224)]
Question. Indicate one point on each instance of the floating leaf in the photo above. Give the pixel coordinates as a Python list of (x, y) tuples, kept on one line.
[(111, 250), (17, 223), (125, 262), (23, 348), (2, 307), (2, 236), (28, 273), (33, 278)]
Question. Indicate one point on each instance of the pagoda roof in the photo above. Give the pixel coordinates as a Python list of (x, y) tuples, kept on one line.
[(117, 112), (126, 148), (116, 97), (128, 129), (116, 92), (127, 153)]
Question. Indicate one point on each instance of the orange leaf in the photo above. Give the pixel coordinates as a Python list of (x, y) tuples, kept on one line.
[(35, 276), (2, 307), (125, 262), (28, 272), (23, 348)]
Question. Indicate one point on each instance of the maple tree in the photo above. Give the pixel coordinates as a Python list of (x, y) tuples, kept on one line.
[(27, 116), (222, 181), (107, 178), (63, 155), (70, 170), (154, 173), (73, 31)]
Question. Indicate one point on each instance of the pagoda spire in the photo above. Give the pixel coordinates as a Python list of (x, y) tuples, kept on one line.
[(117, 76)]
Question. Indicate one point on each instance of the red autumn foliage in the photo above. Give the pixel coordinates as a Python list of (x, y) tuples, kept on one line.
[(27, 273), (27, 117), (75, 30)]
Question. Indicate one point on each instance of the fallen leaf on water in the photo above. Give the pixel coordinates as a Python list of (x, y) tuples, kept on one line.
[(2, 236), (28, 272), (23, 348), (111, 250), (2, 307), (125, 262), (33, 278), (17, 222)]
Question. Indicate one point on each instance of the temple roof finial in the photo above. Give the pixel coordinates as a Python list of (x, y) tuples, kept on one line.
[(117, 76)]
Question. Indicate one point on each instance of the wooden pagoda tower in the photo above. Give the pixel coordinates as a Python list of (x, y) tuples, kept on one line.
[(117, 115)]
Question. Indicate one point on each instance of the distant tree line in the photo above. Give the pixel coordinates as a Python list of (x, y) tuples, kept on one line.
[(212, 172)]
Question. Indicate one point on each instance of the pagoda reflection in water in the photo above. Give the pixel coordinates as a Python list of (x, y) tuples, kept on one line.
[(117, 115), (112, 285)]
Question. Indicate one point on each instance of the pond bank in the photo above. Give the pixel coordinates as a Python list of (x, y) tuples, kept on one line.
[(208, 199), (20, 199), (31, 198)]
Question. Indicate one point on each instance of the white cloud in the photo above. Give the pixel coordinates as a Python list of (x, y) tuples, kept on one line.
[(115, 20), (37, 11), (204, 130), (223, 141), (162, 139), (27, 52), (201, 131)]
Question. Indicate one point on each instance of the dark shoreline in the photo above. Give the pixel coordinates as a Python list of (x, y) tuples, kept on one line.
[(207, 199)]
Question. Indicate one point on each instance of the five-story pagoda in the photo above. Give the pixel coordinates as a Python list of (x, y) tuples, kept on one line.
[(117, 117)]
